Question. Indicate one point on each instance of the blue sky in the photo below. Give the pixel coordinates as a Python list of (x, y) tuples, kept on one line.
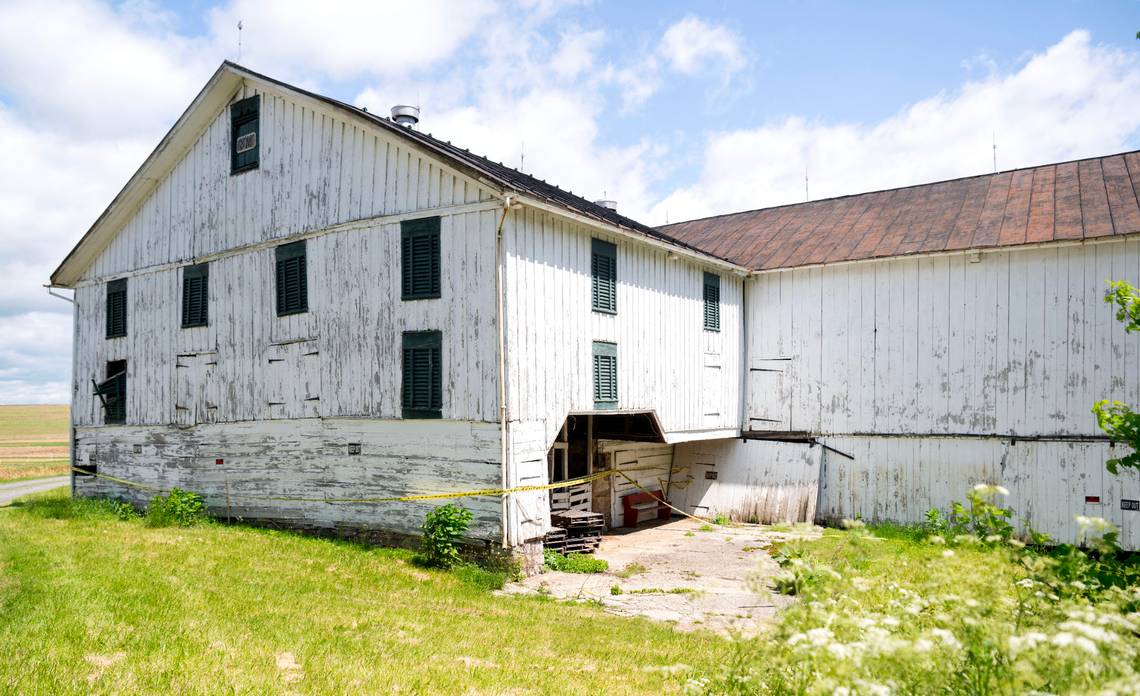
[(677, 110)]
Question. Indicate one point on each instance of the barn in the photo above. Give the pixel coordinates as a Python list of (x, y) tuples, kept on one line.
[(303, 310)]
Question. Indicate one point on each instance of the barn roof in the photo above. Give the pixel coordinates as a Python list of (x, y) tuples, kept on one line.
[(218, 90), (1081, 199)]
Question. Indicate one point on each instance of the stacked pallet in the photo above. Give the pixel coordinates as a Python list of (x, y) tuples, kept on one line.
[(575, 531)]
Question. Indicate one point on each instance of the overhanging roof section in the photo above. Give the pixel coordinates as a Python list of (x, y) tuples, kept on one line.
[(216, 94), (1077, 200)]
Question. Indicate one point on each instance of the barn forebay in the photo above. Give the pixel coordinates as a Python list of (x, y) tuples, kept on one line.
[(298, 308)]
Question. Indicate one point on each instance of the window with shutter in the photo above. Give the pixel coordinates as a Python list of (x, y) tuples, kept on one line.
[(605, 375), (423, 374), (112, 393), (244, 134), (419, 258), (117, 308), (292, 282), (712, 302), (195, 295), (603, 268)]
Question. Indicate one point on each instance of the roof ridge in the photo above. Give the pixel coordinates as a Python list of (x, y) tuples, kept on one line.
[(902, 188)]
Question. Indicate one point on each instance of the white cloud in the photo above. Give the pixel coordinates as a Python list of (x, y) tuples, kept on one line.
[(692, 45), (1075, 99), (347, 38)]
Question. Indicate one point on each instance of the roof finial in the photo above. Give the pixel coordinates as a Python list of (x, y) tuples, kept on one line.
[(239, 40), (994, 135)]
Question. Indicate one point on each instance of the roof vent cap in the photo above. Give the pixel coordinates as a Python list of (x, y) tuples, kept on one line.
[(405, 115), (607, 203)]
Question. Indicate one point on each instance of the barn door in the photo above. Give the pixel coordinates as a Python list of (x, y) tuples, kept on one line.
[(768, 399), (292, 380), (195, 397)]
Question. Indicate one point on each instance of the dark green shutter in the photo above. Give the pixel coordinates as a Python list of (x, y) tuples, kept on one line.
[(423, 374), (195, 295), (113, 395), (244, 134), (605, 375), (603, 268), (712, 302), (292, 281), (117, 308), (419, 258)]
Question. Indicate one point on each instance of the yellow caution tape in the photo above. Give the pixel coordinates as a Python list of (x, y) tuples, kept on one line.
[(394, 499)]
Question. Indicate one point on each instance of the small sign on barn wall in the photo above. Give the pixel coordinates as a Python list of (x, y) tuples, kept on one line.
[(1126, 504), (246, 142)]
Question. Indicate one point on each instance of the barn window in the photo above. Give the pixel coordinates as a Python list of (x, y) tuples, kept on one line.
[(712, 302), (112, 393), (244, 134), (419, 242), (605, 375), (195, 295), (292, 282), (603, 267), (423, 379), (117, 308)]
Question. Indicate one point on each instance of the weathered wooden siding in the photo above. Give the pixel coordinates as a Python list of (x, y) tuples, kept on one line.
[(341, 358), (309, 459), (762, 482), (1020, 342), (317, 168), (667, 362)]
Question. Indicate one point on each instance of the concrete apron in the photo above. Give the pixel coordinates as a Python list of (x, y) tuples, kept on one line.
[(716, 580)]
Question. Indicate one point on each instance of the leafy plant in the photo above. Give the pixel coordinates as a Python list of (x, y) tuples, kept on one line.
[(574, 562), (1117, 419), (177, 508), (443, 527), (721, 519)]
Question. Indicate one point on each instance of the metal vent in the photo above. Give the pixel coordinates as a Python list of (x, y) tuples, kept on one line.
[(405, 115)]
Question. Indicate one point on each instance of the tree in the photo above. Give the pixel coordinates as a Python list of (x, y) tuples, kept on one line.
[(1116, 419)]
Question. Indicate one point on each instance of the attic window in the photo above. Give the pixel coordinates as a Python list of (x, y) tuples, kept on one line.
[(603, 269), (244, 146), (117, 308)]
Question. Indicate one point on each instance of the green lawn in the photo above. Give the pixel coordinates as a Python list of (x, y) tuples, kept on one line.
[(95, 604), (33, 441)]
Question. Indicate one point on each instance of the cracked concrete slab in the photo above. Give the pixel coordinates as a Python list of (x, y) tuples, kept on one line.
[(694, 575)]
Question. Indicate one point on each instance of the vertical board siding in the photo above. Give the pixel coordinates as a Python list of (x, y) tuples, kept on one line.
[(664, 353), (341, 358), (305, 458), (1019, 343), (316, 170)]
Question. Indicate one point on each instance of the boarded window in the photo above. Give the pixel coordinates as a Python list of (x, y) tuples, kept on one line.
[(244, 135), (712, 302), (423, 376), (605, 375), (603, 268), (112, 393), (195, 295), (419, 242), (292, 281), (117, 308)]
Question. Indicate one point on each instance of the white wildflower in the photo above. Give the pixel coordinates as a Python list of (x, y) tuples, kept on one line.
[(1077, 584), (935, 539), (841, 691), (947, 553), (839, 651), (796, 639), (923, 645), (946, 637), (872, 688), (861, 584), (1015, 543), (1095, 633), (865, 622), (851, 524), (1086, 645), (1018, 644), (971, 602), (890, 621), (1026, 583), (993, 538), (820, 636), (989, 490), (1062, 640)]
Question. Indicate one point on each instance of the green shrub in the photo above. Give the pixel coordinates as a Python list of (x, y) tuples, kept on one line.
[(721, 519), (443, 527), (178, 508), (574, 563)]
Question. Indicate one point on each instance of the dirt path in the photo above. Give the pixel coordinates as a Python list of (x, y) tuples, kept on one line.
[(11, 491), (678, 573)]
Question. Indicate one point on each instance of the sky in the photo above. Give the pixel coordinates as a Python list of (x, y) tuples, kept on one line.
[(676, 110)]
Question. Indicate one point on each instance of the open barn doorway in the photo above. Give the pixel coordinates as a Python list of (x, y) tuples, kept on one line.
[(633, 443)]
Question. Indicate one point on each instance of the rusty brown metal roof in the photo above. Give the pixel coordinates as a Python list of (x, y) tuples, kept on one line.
[(1082, 199)]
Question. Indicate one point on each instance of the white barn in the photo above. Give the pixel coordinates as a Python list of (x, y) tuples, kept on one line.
[(294, 300)]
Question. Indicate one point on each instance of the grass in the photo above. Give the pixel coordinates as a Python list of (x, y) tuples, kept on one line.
[(574, 563), (884, 610), (33, 441), (93, 604)]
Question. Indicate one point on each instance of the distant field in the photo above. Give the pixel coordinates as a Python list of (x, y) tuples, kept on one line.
[(33, 441)]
